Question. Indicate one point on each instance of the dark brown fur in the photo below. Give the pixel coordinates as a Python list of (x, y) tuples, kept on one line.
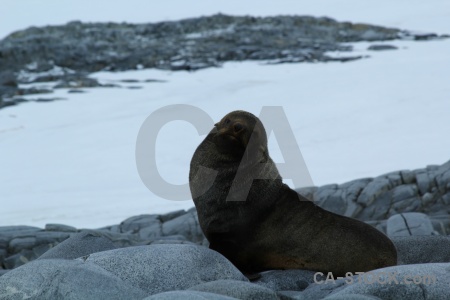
[(271, 226)]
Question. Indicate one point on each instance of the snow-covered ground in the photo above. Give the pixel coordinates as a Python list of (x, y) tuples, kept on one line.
[(73, 161)]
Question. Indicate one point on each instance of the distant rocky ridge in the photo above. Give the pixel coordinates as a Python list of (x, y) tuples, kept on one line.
[(411, 207), (67, 54)]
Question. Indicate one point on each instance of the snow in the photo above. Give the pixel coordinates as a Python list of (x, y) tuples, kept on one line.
[(72, 161)]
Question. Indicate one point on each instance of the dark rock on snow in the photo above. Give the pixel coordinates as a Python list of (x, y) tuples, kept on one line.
[(67, 54)]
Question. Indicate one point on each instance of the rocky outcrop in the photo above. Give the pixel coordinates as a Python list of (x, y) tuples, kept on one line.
[(67, 54), (424, 190), (164, 256)]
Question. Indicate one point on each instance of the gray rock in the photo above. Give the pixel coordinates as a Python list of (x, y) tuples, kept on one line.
[(422, 249), (424, 182), (332, 200), (120, 240), (49, 237), (381, 47), (19, 259), (171, 239), (186, 225), (351, 297), (408, 224), (136, 223), (324, 289), (236, 289), (78, 245), (188, 295), (378, 209), (372, 190), (405, 205), (20, 243), (408, 177), (167, 267), (424, 281), (41, 249), (395, 178), (151, 232), (3, 272), (18, 231), (443, 177), (404, 191), (290, 295), (172, 215), (3, 253), (60, 227), (64, 279), (282, 280), (441, 224)]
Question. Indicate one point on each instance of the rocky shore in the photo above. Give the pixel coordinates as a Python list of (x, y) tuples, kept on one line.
[(67, 54), (166, 256)]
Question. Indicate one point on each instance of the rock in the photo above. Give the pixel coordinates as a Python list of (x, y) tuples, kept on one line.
[(351, 297), (172, 215), (331, 199), (372, 190), (171, 239), (32, 91), (352, 190), (77, 81), (424, 281), (64, 279), (120, 240), (8, 85), (60, 227), (18, 231), (20, 243), (424, 182), (136, 223), (408, 224), (167, 267), (186, 225), (3, 272), (79, 245), (51, 237), (236, 289), (408, 177), (378, 209), (422, 249), (18, 259), (290, 295), (441, 224), (323, 289), (282, 280), (405, 191), (381, 47), (187, 295), (76, 91), (151, 232)]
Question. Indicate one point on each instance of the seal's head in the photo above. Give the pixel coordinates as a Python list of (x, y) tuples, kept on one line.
[(238, 132)]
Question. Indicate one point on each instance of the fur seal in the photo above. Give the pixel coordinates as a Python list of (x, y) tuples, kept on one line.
[(271, 226)]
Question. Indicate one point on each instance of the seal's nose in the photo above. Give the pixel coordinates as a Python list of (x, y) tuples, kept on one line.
[(237, 127)]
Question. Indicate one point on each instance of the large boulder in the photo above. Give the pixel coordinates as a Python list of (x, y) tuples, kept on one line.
[(237, 289), (422, 249), (65, 279), (421, 281), (160, 268), (78, 245)]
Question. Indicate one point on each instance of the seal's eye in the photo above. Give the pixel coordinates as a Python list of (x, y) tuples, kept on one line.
[(227, 121)]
